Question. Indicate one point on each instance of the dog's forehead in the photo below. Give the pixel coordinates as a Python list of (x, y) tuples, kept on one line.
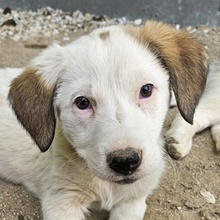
[(109, 55), (111, 44)]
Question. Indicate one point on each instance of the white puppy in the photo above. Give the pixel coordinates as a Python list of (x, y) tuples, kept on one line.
[(179, 136), (97, 107)]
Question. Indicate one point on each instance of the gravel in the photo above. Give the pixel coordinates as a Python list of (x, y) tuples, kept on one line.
[(47, 22)]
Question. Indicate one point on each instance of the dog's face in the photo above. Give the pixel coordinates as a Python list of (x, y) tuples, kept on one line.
[(110, 93), (113, 96)]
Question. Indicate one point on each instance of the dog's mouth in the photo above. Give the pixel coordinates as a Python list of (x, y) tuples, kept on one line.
[(121, 180), (126, 181)]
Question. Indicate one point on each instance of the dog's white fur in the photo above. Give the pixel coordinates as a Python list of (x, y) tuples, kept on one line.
[(109, 67), (180, 134)]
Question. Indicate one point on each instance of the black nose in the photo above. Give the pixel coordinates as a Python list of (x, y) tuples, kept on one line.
[(125, 161)]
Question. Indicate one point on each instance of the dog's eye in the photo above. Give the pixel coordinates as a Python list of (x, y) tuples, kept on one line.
[(146, 91), (82, 103)]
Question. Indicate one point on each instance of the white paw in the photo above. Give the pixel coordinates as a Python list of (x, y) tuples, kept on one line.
[(215, 130), (178, 147), (217, 144)]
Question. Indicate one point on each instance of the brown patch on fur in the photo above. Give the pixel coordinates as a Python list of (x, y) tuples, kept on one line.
[(104, 35), (32, 103), (182, 56)]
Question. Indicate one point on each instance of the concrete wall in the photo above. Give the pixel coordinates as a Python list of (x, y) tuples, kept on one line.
[(183, 12)]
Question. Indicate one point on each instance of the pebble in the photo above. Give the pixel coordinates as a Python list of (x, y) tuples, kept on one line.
[(138, 22), (177, 26), (191, 29), (179, 208), (65, 38), (209, 197), (206, 31)]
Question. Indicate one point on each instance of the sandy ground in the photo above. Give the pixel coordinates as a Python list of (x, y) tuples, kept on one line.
[(179, 195)]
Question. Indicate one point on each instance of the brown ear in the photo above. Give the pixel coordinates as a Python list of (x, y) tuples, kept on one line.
[(182, 56), (32, 103)]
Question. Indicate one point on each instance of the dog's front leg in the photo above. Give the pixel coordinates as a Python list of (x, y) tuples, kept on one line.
[(129, 210), (179, 136), (64, 207)]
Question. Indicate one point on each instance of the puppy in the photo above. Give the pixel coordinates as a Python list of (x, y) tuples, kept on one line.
[(96, 109), (179, 136)]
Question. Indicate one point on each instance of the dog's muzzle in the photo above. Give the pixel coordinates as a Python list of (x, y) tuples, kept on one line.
[(125, 161)]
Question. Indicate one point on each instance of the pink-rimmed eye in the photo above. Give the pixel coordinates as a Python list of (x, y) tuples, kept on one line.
[(82, 103), (146, 91)]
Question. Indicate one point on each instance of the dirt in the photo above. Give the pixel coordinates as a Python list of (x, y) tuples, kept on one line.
[(179, 196)]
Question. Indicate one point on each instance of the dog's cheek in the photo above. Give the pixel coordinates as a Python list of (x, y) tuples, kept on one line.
[(76, 130), (152, 147)]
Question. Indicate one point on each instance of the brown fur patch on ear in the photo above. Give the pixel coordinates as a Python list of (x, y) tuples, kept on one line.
[(32, 103), (182, 56)]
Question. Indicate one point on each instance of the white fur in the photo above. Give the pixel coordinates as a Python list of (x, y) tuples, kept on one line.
[(179, 136), (73, 173)]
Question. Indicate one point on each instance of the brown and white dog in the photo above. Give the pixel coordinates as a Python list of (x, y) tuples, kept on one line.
[(96, 108)]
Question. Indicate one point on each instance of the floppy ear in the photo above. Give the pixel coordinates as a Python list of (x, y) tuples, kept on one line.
[(182, 56), (31, 96)]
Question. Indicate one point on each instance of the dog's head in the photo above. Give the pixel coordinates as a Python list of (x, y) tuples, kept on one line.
[(109, 92)]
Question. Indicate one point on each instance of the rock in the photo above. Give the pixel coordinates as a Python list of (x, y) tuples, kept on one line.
[(9, 22), (20, 217), (98, 18), (138, 22), (7, 10), (177, 26), (209, 197)]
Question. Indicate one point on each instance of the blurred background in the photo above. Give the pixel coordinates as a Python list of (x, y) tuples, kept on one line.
[(182, 12)]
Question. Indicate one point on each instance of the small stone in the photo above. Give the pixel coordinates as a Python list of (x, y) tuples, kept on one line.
[(177, 26), (9, 22), (66, 38), (47, 11), (189, 28), (194, 203), (138, 22), (206, 31), (122, 20), (208, 196), (7, 10), (16, 38), (179, 208), (98, 18), (20, 217)]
